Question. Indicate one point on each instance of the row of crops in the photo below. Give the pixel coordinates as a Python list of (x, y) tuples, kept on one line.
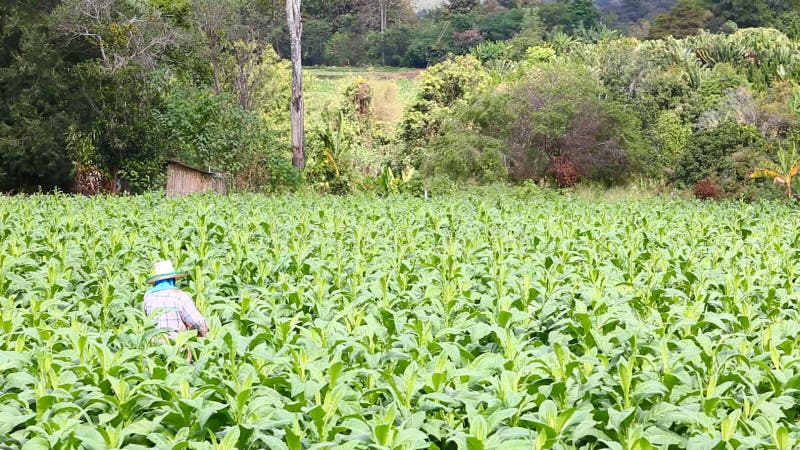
[(492, 320)]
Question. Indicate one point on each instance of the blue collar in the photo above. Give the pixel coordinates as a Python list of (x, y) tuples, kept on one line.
[(163, 285)]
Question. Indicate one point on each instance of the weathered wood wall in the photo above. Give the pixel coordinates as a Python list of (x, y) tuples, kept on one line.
[(183, 180), (219, 185)]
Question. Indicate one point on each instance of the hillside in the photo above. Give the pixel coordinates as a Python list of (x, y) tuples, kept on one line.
[(421, 5), (627, 11)]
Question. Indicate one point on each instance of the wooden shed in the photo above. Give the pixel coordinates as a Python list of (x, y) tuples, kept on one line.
[(183, 180)]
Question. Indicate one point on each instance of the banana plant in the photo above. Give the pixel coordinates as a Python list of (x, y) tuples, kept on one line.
[(783, 172)]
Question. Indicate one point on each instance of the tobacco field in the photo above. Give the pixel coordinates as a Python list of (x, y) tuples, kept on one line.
[(492, 320)]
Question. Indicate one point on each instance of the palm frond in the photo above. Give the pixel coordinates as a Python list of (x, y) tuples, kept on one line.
[(795, 169), (764, 173)]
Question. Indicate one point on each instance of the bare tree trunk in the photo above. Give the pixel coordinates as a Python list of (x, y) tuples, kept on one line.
[(213, 19), (382, 5), (213, 51), (295, 34), (247, 77)]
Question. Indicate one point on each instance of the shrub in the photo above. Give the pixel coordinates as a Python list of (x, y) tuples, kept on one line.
[(440, 185), (451, 80), (707, 188), (664, 90), (668, 138), (440, 87), (538, 54), (709, 154), (559, 111), (204, 129), (270, 172), (493, 51), (564, 171), (464, 154), (329, 155)]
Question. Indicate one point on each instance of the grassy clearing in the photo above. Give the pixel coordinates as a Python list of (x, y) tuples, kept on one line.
[(393, 89), (333, 71)]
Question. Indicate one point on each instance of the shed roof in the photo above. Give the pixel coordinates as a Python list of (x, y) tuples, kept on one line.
[(176, 162)]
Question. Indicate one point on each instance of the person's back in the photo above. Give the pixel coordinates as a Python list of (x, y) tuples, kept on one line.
[(174, 309), (169, 306)]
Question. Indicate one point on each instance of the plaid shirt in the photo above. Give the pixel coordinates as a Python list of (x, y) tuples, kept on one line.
[(173, 309)]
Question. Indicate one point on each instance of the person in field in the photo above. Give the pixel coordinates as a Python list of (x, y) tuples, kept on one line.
[(169, 306)]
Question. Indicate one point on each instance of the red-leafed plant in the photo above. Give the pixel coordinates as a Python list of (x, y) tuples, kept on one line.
[(707, 188), (564, 171)]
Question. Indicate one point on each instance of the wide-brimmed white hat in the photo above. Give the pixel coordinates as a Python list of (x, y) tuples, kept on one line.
[(164, 270)]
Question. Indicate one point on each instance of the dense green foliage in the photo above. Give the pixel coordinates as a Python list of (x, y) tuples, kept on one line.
[(512, 320), (97, 94), (678, 110), (116, 87), (347, 32), (37, 96)]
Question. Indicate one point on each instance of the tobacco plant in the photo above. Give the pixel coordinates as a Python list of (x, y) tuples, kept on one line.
[(491, 320)]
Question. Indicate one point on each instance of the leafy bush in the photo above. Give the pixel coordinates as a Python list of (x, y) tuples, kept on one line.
[(447, 82), (205, 129), (668, 138), (537, 54), (329, 156), (464, 154), (664, 90), (269, 169), (440, 87), (405, 181), (493, 51), (564, 171), (558, 113), (707, 188), (440, 185), (710, 154)]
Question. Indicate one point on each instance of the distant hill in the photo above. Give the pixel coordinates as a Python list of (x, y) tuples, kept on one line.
[(627, 11), (631, 11), (420, 5)]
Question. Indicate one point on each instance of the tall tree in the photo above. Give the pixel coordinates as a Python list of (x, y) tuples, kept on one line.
[(123, 34), (212, 18), (295, 24), (746, 13), (686, 18), (381, 15), (584, 14), (462, 6), (382, 5), (40, 97), (129, 40)]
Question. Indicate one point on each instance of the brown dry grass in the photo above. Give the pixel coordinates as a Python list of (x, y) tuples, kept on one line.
[(386, 104), (392, 90)]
